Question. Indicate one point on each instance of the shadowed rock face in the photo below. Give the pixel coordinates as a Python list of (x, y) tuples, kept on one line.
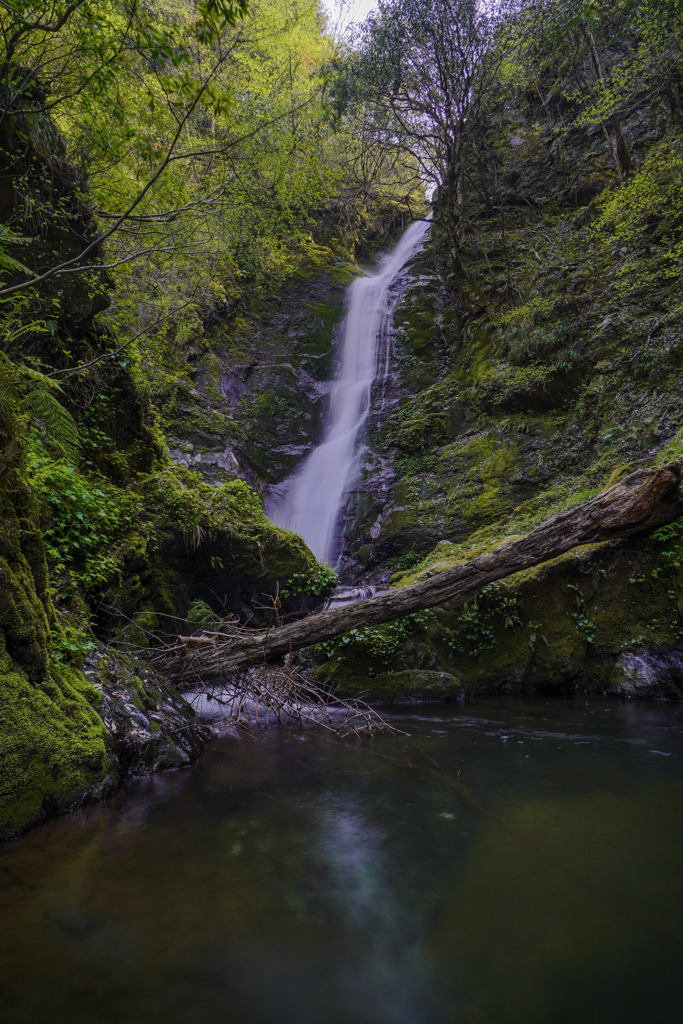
[(260, 393)]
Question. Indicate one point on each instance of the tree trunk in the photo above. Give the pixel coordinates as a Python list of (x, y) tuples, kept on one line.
[(643, 500), (622, 156)]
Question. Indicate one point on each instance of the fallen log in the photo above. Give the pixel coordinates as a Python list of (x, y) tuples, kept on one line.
[(646, 499)]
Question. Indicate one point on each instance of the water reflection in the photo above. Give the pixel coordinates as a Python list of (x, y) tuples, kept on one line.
[(513, 861), (563, 903)]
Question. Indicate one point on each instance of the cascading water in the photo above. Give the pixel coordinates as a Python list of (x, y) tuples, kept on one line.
[(314, 497)]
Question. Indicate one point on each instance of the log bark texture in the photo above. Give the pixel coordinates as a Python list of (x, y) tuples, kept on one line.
[(641, 501)]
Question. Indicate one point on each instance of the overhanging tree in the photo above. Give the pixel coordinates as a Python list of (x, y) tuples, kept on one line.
[(423, 71)]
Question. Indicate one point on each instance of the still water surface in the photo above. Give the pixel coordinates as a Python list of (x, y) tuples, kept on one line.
[(510, 861)]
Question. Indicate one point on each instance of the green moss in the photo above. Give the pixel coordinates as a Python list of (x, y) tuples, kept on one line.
[(52, 746), (671, 451), (618, 474), (23, 620), (516, 388), (410, 684), (434, 417), (560, 625), (565, 622), (206, 542), (25, 610)]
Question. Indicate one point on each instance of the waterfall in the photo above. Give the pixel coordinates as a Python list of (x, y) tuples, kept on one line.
[(314, 496)]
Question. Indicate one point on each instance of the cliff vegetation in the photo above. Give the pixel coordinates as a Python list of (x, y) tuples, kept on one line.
[(187, 188)]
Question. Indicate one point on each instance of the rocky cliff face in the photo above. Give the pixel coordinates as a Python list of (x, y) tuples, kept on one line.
[(102, 536), (543, 372), (549, 367), (261, 379)]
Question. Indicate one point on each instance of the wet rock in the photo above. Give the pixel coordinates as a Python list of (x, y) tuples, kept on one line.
[(215, 466), (261, 386), (150, 726), (650, 674)]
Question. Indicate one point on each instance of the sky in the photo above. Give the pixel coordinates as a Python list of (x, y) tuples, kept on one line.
[(345, 12)]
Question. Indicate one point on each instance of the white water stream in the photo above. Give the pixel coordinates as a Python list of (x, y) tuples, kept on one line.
[(314, 496)]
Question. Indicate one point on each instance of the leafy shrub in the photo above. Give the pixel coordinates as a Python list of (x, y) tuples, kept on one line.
[(83, 517), (374, 647), (475, 631), (314, 582)]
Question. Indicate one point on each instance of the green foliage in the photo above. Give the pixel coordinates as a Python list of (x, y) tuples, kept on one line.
[(83, 516), (35, 394), (70, 643), (198, 139), (582, 623), (199, 614), (641, 220), (477, 623), (56, 425), (374, 647), (409, 560), (667, 561), (8, 262), (315, 582)]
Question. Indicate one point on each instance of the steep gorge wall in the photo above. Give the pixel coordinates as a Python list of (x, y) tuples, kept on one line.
[(102, 535), (547, 369)]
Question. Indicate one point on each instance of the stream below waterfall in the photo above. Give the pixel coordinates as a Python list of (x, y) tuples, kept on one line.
[(511, 861)]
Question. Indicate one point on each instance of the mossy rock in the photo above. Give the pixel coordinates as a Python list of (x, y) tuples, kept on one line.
[(392, 687), (25, 610), (150, 726), (526, 388), (53, 755), (212, 543), (24, 627)]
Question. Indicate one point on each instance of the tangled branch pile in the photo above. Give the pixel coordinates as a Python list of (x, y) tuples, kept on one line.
[(281, 695), (257, 698)]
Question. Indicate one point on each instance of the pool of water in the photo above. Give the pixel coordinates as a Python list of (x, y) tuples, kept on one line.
[(508, 861)]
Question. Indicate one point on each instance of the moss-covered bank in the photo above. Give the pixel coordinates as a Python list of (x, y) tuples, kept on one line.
[(604, 619), (543, 366)]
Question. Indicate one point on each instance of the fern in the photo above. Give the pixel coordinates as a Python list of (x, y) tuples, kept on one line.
[(199, 614), (8, 262), (37, 377), (37, 395), (55, 423)]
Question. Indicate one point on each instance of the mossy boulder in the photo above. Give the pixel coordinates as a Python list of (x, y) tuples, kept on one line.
[(53, 754), (206, 542), (392, 687)]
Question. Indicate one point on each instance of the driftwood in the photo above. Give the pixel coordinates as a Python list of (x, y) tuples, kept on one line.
[(641, 501)]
